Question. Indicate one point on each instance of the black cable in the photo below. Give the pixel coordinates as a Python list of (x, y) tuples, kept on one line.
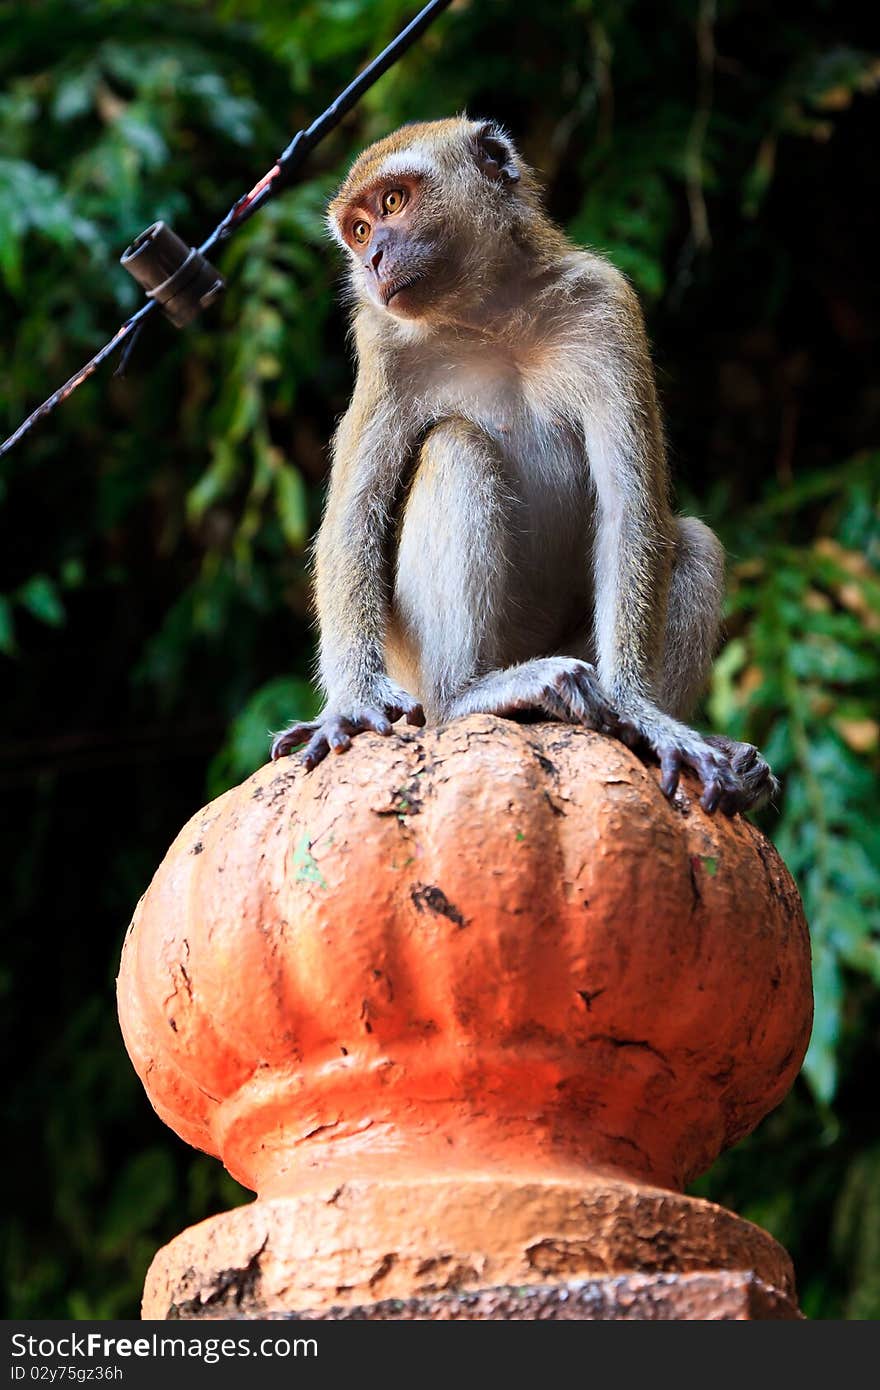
[(277, 178)]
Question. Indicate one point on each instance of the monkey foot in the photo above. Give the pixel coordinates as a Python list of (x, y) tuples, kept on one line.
[(734, 775), (757, 782), (720, 785), (562, 687), (334, 731)]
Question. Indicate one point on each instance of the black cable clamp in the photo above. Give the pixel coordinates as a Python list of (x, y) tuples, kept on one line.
[(177, 276)]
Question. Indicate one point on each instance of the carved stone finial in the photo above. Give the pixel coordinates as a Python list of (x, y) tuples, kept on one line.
[(468, 1007)]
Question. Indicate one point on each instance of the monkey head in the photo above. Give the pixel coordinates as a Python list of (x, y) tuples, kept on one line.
[(433, 218)]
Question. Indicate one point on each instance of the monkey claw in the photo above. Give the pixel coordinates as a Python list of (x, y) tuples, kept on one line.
[(334, 732), (734, 775)]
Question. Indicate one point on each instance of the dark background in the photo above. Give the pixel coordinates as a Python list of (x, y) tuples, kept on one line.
[(154, 598)]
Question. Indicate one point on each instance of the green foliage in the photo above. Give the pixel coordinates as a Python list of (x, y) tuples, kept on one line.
[(856, 1233), (267, 711), (803, 681), (154, 605)]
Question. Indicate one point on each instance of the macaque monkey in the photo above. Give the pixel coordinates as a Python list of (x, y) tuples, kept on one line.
[(498, 534)]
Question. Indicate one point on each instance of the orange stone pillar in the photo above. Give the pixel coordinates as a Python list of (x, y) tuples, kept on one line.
[(467, 1008)]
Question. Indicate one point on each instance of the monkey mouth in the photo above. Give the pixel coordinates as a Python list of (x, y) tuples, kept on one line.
[(397, 287)]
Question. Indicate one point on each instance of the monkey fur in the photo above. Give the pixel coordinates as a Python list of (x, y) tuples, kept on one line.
[(498, 533)]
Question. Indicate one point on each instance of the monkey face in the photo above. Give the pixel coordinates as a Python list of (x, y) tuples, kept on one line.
[(395, 249), (424, 216)]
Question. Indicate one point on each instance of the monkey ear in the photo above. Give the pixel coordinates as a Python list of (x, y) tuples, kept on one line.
[(495, 155)]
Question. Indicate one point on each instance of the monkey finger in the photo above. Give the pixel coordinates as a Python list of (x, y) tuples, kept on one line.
[(670, 770), (712, 794), (553, 704), (566, 694), (598, 713), (374, 719), (757, 785), (609, 721), (338, 739), (316, 751), (291, 738), (415, 715), (731, 802), (604, 720), (578, 692), (714, 771)]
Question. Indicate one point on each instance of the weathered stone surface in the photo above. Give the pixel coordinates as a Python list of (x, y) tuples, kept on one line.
[(367, 1243), (483, 946), (723, 1297), (467, 1007)]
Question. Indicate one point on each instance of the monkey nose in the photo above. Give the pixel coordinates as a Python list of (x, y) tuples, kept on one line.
[(376, 258)]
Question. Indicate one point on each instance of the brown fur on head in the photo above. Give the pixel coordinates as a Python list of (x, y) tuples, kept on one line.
[(434, 216)]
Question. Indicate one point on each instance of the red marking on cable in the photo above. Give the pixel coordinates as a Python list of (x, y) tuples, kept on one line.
[(258, 187)]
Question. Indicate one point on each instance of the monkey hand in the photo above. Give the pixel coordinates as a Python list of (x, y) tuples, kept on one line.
[(757, 783), (337, 725), (734, 775)]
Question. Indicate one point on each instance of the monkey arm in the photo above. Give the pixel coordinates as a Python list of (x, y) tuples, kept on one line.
[(352, 584), (352, 581), (633, 551), (632, 558)]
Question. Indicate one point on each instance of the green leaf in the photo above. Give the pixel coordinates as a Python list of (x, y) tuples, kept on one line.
[(143, 1190), (292, 499), (141, 134), (7, 627), (216, 482), (820, 1064), (723, 700), (40, 597), (275, 705), (75, 94)]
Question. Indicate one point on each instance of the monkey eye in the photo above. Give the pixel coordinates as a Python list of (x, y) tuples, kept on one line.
[(393, 200), (361, 231)]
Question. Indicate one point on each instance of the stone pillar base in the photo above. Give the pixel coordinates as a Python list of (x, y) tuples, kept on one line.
[(722, 1297), (592, 1247)]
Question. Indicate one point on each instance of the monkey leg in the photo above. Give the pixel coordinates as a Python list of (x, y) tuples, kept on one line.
[(693, 619), (457, 613), (453, 566), (692, 629)]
